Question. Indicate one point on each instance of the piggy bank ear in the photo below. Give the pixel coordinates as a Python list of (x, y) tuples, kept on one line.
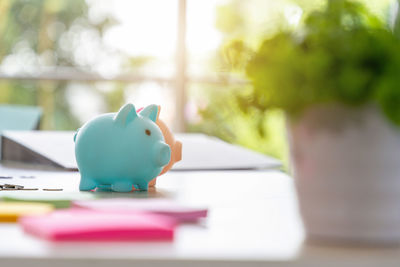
[(158, 113), (150, 112), (126, 114)]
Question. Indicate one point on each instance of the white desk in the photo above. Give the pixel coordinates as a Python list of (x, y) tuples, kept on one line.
[(253, 220)]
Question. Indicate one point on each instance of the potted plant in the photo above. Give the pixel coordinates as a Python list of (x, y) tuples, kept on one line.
[(338, 81)]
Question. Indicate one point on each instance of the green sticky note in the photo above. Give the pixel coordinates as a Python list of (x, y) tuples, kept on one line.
[(59, 200)]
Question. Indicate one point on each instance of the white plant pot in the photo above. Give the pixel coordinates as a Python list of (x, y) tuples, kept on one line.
[(346, 164)]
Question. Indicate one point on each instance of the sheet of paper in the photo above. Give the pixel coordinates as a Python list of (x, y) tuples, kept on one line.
[(178, 211)]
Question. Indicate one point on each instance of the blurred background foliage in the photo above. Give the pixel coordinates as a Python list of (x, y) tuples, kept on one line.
[(71, 33), (246, 24), (38, 33), (342, 54)]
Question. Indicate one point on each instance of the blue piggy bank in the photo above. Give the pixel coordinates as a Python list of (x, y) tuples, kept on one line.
[(121, 150)]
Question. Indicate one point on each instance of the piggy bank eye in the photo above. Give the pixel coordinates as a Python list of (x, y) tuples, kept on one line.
[(147, 131)]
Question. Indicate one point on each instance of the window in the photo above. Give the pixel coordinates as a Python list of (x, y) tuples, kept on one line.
[(79, 58)]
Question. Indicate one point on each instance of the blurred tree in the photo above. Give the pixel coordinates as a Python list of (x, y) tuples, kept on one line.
[(40, 33), (244, 25)]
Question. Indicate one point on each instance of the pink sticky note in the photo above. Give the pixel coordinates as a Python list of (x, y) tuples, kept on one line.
[(90, 225), (180, 212)]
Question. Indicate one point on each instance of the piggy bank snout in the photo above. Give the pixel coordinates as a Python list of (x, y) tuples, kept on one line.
[(162, 154)]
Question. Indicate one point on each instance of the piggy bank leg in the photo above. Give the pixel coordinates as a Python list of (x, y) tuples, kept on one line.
[(87, 184), (152, 183), (143, 186), (122, 186), (103, 188)]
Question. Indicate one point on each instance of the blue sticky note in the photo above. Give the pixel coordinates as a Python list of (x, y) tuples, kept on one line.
[(18, 117)]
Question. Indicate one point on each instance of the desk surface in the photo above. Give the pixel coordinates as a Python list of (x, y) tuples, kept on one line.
[(253, 220)]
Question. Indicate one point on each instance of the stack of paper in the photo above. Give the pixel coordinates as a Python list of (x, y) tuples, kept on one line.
[(96, 219), (87, 225)]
